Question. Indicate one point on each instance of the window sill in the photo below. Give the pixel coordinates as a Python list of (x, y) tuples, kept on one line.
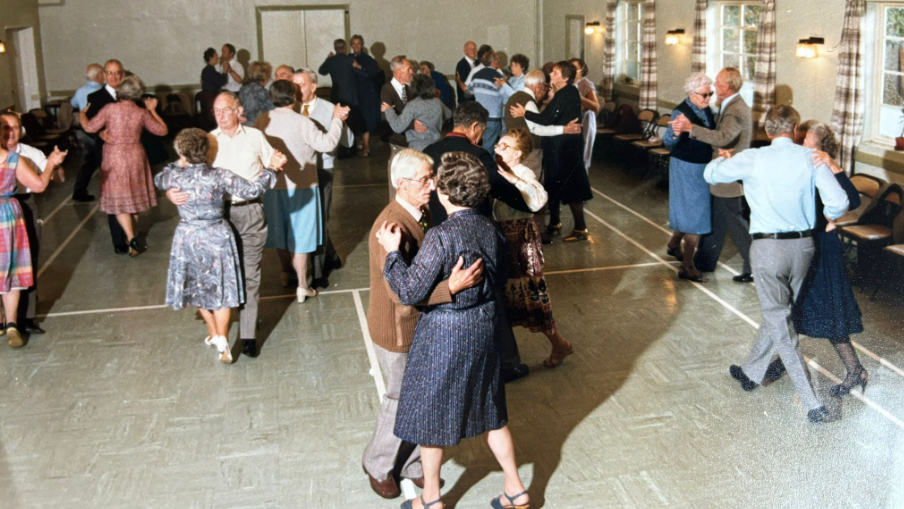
[(880, 155)]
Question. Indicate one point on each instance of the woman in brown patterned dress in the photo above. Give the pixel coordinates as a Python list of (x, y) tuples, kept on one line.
[(126, 186), (526, 294)]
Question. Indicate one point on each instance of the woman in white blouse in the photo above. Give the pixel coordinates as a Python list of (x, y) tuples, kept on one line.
[(527, 297)]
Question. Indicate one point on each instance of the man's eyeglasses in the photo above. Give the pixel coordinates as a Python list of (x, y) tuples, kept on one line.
[(113, 73), (706, 95), (220, 111), (424, 181)]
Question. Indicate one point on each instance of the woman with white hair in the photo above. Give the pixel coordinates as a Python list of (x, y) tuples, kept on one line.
[(689, 199), (126, 185)]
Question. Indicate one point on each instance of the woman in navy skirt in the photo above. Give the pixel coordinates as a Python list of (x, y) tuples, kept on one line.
[(452, 388), (826, 307)]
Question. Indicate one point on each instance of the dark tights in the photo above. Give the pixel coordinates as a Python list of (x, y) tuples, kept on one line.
[(577, 211)]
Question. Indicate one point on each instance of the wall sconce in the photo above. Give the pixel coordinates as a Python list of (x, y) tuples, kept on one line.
[(593, 27), (806, 48), (2, 47), (671, 37)]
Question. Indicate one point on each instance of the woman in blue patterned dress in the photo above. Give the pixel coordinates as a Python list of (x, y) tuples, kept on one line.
[(16, 272), (204, 266), (689, 198), (451, 388)]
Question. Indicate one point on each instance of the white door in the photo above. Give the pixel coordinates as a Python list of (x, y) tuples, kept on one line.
[(301, 37), (28, 92)]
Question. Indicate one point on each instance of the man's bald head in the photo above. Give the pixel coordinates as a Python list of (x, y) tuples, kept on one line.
[(284, 72), (227, 108), (471, 49), (95, 73)]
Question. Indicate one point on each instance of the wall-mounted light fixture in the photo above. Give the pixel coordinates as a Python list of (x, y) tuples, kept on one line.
[(2, 47), (807, 48), (672, 36), (593, 27)]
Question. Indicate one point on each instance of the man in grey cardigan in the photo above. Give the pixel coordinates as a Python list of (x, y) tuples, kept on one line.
[(734, 129)]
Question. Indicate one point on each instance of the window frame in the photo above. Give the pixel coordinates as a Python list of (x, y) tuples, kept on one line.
[(877, 76), (742, 56), (624, 42)]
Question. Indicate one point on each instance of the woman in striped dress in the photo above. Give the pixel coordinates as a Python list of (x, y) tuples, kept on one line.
[(452, 388), (16, 272)]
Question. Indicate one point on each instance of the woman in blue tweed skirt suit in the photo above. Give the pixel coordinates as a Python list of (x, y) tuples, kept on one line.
[(452, 388)]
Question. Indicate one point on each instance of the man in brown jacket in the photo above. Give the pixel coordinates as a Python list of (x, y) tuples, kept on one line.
[(392, 324), (734, 129)]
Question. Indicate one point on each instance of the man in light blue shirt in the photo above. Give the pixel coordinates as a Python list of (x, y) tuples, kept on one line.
[(780, 182), (95, 76)]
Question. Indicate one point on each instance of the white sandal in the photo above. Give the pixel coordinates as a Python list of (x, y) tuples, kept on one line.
[(223, 348)]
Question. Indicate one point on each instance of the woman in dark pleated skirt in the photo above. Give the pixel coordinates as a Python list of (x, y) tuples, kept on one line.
[(826, 307)]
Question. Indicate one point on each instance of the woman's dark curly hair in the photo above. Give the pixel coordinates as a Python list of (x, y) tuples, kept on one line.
[(463, 179), (193, 144)]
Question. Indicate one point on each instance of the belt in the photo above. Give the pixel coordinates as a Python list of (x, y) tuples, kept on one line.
[(783, 235), (244, 203)]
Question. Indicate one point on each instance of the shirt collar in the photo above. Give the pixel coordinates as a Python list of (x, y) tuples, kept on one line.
[(529, 92), (111, 90), (219, 131), (311, 104), (470, 60), (416, 213), (728, 100), (397, 84)]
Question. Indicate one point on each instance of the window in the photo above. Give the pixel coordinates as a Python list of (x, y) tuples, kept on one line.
[(631, 41), (890, 76), (738, 25)]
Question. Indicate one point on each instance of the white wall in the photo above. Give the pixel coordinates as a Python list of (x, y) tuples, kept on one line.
[(162, 41), (16, 14)]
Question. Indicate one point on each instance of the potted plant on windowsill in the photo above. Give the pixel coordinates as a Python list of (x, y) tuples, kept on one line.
[(899, 141)]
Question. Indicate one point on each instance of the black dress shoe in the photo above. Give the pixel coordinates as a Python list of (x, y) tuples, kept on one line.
[(249, 348), (743, 278), (82, 198), (321, 282), (818, 415), (738, 374), (515, 373), (121, 250), (31, 327)]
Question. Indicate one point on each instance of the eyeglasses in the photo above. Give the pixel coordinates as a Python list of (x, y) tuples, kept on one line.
[(424, 181), (220, 111), (503, 146), (706, 95), (113, 73)]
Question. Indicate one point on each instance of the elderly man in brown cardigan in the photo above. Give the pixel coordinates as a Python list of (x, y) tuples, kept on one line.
[(392, 324)]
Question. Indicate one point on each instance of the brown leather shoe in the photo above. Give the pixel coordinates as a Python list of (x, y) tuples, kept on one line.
[(419, 482), (386, 489)]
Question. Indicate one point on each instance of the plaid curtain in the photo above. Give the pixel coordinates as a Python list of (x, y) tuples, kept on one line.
[(847, 117), (698, 62), (648, 81), (609, 51), (764, 77)]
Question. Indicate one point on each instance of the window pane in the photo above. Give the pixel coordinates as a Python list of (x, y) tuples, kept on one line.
[(632, 70), (894, 23), (750, 41), (750, 68), (633, 32), (731, 15), (633, 52), (890, 121), (894, 55), (632, 10), (731, 40), (752, 15), (731, 60), (892, 91)]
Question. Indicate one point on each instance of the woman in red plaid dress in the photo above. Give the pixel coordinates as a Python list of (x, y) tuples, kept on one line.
[(15, 256)]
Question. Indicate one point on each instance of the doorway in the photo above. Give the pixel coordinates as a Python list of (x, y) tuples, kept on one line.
[(24, 55), (300, 36)]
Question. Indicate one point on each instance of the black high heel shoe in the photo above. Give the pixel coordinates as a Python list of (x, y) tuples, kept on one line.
[(674, 252), (133, 248), (554, 229), (860, 377)]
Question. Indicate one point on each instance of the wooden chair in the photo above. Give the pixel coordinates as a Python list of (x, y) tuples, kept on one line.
[(868, 187), (880, 224), (654, 141), (622, 142), (607, 126)]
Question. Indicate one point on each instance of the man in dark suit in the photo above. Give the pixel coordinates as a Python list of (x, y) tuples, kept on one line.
[(463, 70), (734, 130), (396, 93), (113, 74), (470, 121), (340, 67)]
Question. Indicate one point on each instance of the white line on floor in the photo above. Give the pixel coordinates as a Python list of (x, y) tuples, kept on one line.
[(57, 209), (881, 360), (68, 240), (163, 306), (369, 344), (651, 222), (596, 269), (746, 318)]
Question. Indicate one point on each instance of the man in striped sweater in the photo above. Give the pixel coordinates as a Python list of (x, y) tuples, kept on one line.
[(491, 91)]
